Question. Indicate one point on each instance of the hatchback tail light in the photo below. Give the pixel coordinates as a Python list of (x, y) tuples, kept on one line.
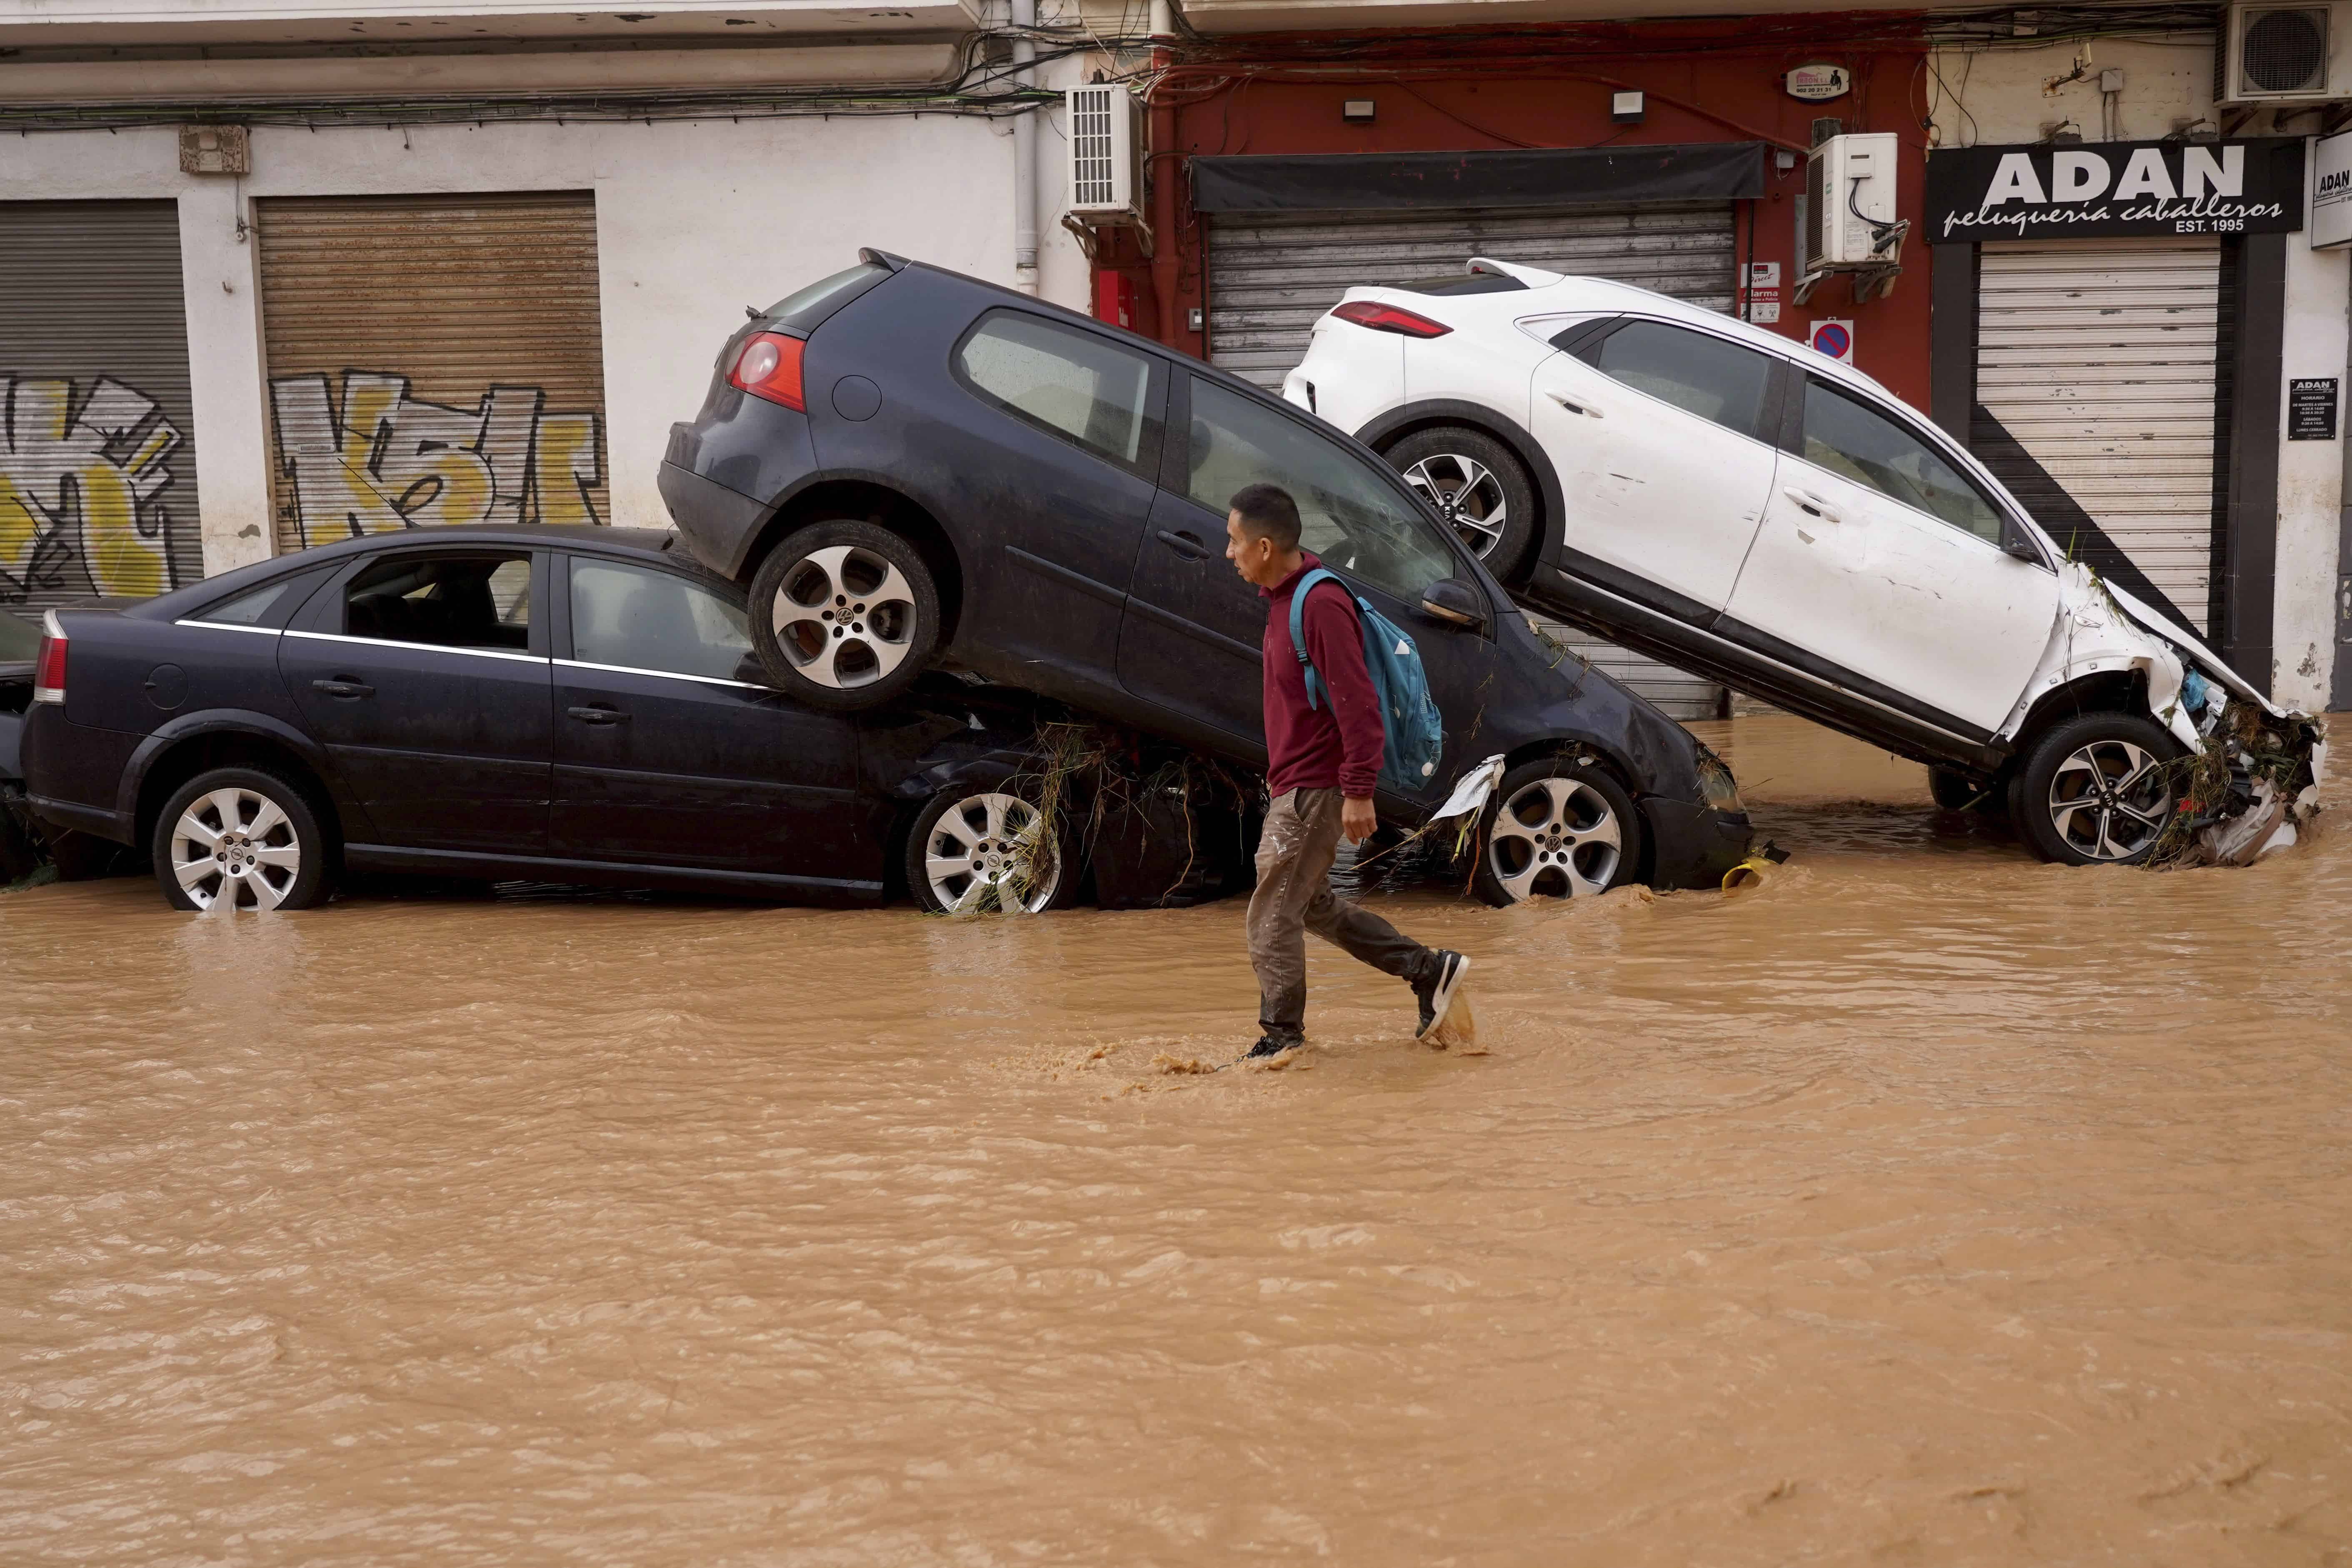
[(1390, 319), (770, 367), (50, 663)]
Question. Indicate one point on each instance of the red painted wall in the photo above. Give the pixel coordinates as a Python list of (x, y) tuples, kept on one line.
[(1702, 85)]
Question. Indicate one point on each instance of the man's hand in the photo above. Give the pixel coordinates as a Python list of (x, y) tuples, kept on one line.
[(1356, 820)]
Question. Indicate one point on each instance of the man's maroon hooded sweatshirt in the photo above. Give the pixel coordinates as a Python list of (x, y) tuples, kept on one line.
[(1337, 745)]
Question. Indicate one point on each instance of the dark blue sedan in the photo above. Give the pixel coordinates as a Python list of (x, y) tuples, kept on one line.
[(570, 705)]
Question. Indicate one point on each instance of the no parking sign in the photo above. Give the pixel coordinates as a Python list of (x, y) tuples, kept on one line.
[(1834, 339)]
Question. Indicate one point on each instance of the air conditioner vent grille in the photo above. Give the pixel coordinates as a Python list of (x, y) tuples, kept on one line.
[(1094, 153), (2285, 51)]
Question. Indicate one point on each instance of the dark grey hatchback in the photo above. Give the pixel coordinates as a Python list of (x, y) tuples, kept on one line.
[(907, 467)]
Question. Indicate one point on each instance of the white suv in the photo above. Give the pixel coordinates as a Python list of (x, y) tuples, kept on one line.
[(1735, 504)]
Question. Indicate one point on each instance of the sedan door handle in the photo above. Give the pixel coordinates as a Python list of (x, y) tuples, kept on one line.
[(1573, 406), (1812, 504), (346, 689), (1184, 543), (598, 715)]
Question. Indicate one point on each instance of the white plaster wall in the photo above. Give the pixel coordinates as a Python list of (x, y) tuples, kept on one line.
[(695, 221), (1997, 95), (2310, 480)]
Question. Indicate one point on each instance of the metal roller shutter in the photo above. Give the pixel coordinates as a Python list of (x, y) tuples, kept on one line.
[(98, 437), (1272, 275), (432, 360), (2098, 358)]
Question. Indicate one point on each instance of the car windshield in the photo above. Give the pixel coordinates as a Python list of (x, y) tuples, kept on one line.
[(20, 640)]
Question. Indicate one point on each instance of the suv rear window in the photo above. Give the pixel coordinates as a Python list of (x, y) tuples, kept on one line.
[(1475, 283), (804, 309)]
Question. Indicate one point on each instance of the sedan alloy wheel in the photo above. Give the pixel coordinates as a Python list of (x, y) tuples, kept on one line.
[(238, 838), (986, 851)]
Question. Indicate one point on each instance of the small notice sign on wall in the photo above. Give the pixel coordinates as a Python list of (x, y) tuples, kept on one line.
[(2311, 408)]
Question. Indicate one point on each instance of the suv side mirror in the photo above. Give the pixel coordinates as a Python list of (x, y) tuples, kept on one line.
[(1455, 602)]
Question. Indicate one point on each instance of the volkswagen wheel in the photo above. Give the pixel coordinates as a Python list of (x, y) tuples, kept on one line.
[(1554, 829), (845, 616)]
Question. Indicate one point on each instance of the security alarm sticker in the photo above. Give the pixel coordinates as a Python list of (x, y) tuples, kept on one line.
[(1818, 83)]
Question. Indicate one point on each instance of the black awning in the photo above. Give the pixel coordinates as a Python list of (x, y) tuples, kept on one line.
[(1540, 177)]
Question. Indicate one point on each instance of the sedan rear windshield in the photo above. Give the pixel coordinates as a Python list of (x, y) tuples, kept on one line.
[(20, 640), (804, 309)]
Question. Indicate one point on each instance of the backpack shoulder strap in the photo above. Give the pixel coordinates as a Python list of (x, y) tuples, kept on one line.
[(1298, 626), (1298, 607)]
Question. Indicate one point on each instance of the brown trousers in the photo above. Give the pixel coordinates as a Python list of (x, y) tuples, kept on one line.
[(1295, 851)]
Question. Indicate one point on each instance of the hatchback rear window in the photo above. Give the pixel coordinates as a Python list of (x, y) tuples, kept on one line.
[(804, 309)]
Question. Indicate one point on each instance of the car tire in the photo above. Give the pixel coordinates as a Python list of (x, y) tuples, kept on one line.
[(889, 607), (973, 845), (2095, 790), (1956, 791), (1478, 485), (1555, 830), (272, 848)]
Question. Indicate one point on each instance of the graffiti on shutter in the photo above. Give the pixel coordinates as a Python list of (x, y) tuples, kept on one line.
[(82, 490), (368, 456)]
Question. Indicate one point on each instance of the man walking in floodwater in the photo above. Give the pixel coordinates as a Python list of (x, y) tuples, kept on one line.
[(1320, 766)]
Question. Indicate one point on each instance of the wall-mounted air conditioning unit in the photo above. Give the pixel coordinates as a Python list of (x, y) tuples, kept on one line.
[(1106, 154), (1850, 202), (2286, 54)]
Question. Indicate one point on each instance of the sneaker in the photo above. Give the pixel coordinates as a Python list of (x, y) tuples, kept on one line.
[(1273, 1044), (1436, 991)]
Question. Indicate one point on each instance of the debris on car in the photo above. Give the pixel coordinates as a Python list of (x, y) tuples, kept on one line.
[(2251, 787)]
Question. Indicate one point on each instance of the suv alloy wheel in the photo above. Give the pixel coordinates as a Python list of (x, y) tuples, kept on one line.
[(2096, 790), (1474, 483)]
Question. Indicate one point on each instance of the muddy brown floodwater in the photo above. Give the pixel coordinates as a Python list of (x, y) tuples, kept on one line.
[(1926, 1205)]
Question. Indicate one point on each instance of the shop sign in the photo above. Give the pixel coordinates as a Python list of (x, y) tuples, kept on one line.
[(1818, 83), (1834, 339), (2109, 189), (2311, 408), (2331, 191)]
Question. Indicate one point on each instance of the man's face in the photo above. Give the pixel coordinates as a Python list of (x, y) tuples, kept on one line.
[(1255, 557)]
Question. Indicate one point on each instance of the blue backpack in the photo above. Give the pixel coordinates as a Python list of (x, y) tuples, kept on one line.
[(1416, 729)]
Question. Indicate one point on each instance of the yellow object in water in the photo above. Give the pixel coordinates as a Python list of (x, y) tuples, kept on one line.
[(1748, 873)]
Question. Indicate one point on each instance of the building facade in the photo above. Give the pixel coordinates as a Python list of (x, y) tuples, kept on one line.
[(270, 273), (2131, 379)]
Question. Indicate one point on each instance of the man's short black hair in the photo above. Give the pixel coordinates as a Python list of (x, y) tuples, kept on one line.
[(1267, 513)]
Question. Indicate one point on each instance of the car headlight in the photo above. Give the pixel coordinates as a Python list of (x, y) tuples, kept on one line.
[(1716, 785)]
